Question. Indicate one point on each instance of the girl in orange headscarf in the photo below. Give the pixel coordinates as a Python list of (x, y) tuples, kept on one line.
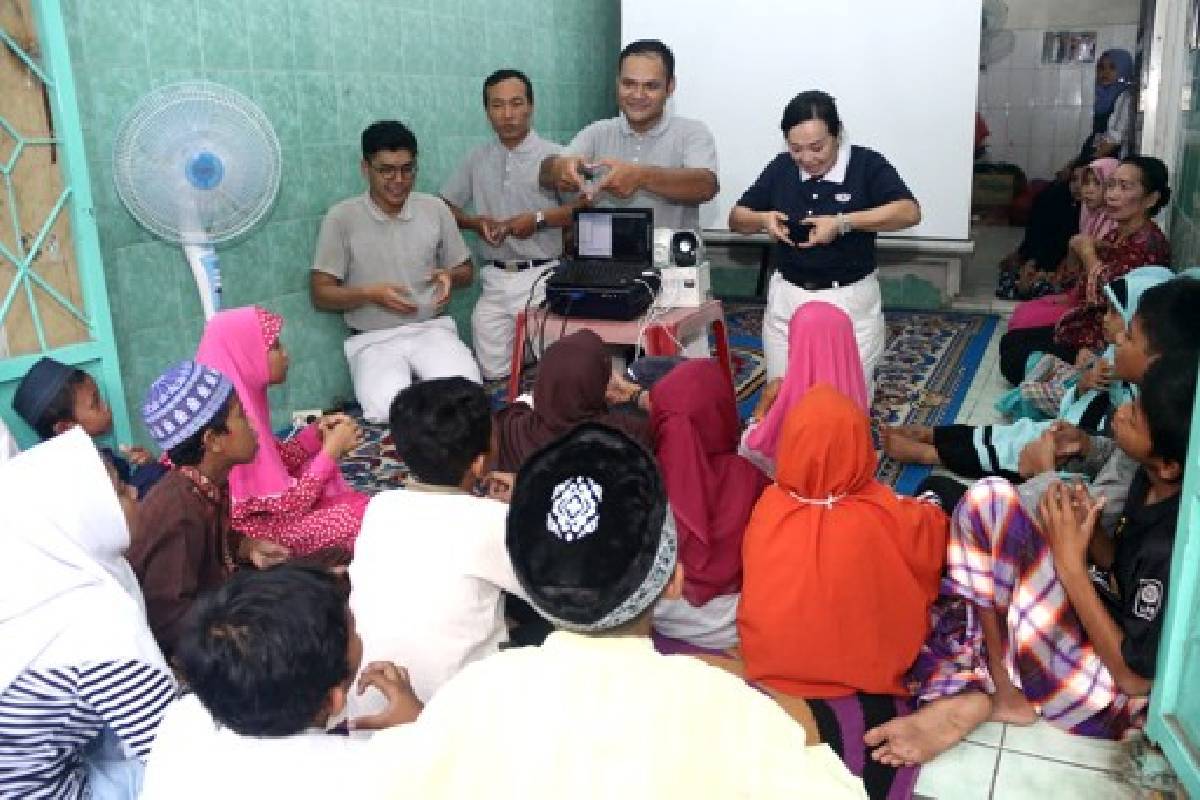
[(839, 572)]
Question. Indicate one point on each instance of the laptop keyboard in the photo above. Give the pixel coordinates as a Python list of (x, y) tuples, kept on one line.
[(596, 273)]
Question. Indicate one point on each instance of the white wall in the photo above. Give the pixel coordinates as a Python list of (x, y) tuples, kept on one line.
[(904, 72), (1071, 13), (1039, 114)]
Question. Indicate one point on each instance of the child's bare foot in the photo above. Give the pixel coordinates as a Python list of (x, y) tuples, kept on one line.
[(907, 451), (1010, 705), (917, 738), (919, 433)]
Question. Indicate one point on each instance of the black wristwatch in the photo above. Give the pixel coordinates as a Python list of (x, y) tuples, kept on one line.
[(539, 221)]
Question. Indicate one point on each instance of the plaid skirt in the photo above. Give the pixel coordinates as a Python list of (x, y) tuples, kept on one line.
[(998, 559)]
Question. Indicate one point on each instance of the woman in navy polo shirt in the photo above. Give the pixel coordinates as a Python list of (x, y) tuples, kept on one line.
[(847, 194)]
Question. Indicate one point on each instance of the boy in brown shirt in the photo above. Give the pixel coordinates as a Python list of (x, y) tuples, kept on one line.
[(186, 547)]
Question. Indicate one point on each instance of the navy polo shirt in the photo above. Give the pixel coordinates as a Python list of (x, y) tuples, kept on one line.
[(869, 181)]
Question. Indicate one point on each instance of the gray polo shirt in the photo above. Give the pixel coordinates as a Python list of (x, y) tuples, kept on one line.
[(360, 245), (673, 142), (503, 183)]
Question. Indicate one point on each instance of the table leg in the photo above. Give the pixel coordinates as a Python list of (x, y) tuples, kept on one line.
[(721, 334), (764, 272), (518, 358), (659, 342)]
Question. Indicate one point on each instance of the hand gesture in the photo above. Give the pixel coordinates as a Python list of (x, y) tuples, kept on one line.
[(1097, 377), (263, 554), (493, 231), (623, 179), (137, 455), (1083, 245), (1068, 517), (824, 231), (521, 226), (766, 399), (393, 297), (570, 176), (1069, 441), (619, 390), (1038, 456), (392, 681), (340, 438), (442, 282), (775, 225), (500, 486)]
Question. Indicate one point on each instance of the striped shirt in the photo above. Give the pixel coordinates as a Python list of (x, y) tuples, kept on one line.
[(48, 717)]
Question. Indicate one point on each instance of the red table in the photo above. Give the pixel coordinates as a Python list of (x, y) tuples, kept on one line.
[(661, 335)]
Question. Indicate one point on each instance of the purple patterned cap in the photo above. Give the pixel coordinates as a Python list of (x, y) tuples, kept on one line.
[(182, 401)]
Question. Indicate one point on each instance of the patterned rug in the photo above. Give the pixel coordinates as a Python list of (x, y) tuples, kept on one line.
[(928, 365)]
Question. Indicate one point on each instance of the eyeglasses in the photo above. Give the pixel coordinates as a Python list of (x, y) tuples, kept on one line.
[(391, 171)]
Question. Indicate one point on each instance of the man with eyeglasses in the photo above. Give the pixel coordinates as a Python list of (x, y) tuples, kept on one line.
[(644, 157), (519, 223), (387, 259)]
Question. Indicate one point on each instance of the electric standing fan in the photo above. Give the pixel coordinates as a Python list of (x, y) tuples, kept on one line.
[(197, 163)]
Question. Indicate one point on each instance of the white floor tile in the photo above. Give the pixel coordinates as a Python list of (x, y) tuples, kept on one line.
[(1044, 740), (1022, 777), (989, 733), (964, 772)]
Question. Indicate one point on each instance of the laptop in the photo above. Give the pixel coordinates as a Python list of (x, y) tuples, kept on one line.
[(613, 276), (614, 246)]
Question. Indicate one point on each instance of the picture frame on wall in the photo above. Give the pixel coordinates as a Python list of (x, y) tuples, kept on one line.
[(1069, 47), (1193, 39)]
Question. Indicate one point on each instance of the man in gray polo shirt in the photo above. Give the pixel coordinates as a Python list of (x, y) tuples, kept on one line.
[(645, 156), (520, 223), (387, 259)]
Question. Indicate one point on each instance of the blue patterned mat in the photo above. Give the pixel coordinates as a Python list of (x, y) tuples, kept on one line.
[(928, 365)]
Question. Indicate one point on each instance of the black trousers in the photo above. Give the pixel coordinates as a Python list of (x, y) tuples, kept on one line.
[(1016, 347)]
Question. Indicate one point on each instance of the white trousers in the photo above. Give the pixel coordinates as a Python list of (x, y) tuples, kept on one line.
[(493, 322), (861, 301), (384, 362)]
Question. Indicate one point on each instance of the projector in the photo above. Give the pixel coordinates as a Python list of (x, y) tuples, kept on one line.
[(682, 248), (685, 287)]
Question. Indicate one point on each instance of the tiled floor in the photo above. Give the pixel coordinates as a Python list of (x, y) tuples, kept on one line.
[(1009, 762)]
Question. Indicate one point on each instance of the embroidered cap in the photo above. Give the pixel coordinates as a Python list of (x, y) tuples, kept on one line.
[(590, 534), (182, 401), (39, 387)]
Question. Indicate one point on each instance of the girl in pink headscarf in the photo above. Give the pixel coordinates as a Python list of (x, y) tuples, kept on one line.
[(292, 493), (1095, 222), (821, 349)]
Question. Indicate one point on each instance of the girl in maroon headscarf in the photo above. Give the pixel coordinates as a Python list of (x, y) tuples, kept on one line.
[(569, 390), (712, 491)]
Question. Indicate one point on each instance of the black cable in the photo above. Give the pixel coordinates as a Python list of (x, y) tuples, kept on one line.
[(567, 312), (528, 343)]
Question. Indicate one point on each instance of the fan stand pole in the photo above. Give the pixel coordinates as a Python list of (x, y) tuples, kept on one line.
[(207, 272)]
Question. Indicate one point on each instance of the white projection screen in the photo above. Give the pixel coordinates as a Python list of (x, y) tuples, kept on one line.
[(904, 73)]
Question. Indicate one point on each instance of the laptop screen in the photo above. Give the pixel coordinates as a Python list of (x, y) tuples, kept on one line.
[(614, 235)]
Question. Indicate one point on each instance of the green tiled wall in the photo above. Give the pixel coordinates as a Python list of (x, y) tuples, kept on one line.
[(321, 70)]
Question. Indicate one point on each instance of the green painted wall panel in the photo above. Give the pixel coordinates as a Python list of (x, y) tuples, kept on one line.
[(321, 70)]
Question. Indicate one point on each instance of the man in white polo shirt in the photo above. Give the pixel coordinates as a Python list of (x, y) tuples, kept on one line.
[(387, 259), (520, 223), (647, 157)]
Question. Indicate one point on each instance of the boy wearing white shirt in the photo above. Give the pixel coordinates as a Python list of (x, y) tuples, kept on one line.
[(270, 656), (430, 567)]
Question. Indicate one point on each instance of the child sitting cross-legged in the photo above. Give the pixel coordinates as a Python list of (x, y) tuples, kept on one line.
[(1068, 615), (53, 397), (270, 657), (430, 569), (194, 415)]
